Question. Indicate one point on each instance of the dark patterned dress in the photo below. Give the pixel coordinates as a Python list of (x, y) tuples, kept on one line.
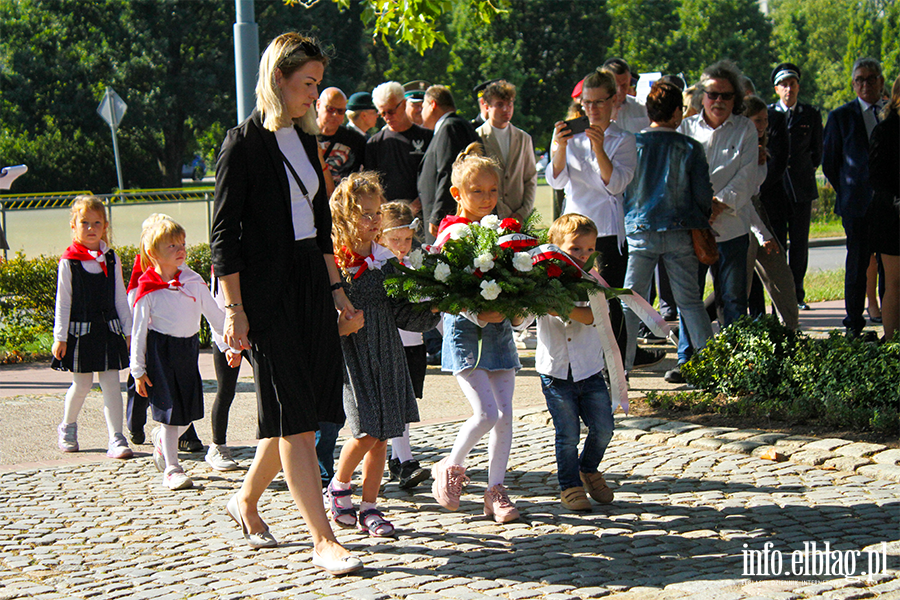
[(378, 393)]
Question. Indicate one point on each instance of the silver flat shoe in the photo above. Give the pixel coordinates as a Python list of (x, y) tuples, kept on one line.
[(263, 539), (342, 566)]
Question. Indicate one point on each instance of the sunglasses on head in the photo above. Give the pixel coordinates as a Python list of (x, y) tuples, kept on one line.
[(726, 96)]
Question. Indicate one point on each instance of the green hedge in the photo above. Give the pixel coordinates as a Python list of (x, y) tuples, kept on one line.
[(28, 300), (762, 368)]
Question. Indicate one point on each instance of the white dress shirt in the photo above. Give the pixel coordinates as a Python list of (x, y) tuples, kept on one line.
[(175, 312), (561, 345), (869, 116), (732, 150), (62, 314), (586, 194), (632, 115)]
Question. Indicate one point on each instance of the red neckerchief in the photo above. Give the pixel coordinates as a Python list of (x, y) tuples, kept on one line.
[(135, 274), (452, 220), (150, 281), (78, 252), (356, 261)]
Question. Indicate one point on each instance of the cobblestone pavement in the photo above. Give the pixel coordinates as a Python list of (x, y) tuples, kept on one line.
[(682, 525)]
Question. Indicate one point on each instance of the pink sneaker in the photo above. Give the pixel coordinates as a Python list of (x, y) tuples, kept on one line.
[(448, 483), (498, 504)]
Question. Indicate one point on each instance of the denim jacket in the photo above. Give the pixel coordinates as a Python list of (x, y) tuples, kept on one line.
[(671, 188)]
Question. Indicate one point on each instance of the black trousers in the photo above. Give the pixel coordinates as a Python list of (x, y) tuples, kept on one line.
[(795, 226), (612, 266)]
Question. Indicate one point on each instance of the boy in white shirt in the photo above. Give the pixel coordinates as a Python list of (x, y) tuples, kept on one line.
[(570, 362)]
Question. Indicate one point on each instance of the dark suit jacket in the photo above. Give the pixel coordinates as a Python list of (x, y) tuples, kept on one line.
[(806, 152), (252, 229), (845, 160), (452, 137), (773, 192)]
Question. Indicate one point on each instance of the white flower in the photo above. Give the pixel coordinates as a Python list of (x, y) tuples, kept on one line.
[(490, 289), (460, 232), (442, 272), (491, 222), (416, 258), (522, 262), (485, 262)]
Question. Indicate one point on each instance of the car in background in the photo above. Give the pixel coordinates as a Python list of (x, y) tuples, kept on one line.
[(196, 170)]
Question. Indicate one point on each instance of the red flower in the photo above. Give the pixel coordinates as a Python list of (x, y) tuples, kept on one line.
[(554, 271), (511, 225)]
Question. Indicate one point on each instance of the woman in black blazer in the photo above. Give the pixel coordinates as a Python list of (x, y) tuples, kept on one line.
[(272, 253)]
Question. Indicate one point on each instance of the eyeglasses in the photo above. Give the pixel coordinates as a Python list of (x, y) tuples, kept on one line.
[(335, 111), (870, 80), (391, 111), (726, 96), (587, 104)]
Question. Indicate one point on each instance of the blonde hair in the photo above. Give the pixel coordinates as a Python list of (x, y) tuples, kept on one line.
[(396, 214), (571, 223), (469, 163), (145, 226), (155, 235), (346, 212), (286, 53), (85, 204)]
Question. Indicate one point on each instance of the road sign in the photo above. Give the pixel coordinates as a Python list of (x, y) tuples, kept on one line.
[(112, 108)]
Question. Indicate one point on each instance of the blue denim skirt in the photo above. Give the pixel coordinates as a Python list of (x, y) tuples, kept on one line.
[(460, 350)]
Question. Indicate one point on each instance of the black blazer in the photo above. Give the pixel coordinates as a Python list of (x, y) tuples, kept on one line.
[(452, 138), (252, 230), (805, 127)]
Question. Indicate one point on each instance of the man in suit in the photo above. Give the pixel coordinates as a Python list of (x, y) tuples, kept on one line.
[(789, 206), (845, 163), (512, 148), (452, 134)]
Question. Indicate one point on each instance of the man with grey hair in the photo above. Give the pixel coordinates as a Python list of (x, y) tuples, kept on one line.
[(343, 149), (397, 150), (845, 163), (452, 134)]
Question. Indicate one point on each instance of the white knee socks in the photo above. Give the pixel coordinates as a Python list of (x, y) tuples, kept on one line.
[(400, 448), (169, 441)]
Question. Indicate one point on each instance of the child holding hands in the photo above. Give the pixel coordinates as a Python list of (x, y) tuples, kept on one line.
[(91, 317), (379, 400), (569, 360), (168, 303), (486, 375)]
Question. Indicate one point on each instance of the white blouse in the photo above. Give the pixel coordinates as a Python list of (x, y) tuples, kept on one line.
[(301, 208)]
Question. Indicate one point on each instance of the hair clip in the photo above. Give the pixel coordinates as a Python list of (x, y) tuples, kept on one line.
[(414, 226)]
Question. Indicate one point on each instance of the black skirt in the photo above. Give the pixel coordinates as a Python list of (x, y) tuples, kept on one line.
[(884, 225), (176, 393), (297, 360)]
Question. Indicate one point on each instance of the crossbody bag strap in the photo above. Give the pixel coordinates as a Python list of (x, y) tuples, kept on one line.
[(297, 179)]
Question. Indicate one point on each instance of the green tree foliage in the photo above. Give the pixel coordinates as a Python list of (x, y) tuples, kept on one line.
[(644, 34)]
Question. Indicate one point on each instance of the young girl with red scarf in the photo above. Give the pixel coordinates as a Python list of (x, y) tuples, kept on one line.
[(168, 302), (379, 399), (479, 350), (91, 318)]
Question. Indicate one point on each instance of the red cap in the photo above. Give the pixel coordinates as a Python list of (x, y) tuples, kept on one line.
[(577, 91)]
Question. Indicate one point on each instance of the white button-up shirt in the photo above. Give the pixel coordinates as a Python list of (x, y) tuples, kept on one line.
[(561, 345), (632, 115), (586, 194), (732, 151)]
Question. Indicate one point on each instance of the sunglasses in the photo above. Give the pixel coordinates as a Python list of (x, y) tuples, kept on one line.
[(335, 111), (391, 111), (726, 96)]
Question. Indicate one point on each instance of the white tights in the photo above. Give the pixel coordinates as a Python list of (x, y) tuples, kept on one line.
[(169, 442), (490, 393), (112, 398), (400, 448)]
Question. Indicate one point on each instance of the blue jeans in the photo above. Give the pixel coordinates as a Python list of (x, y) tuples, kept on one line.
[(568, 400), (676, 249), (326, 440), (730, 283)]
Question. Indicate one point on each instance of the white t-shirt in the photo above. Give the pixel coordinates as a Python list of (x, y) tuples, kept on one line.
[(301, 209)]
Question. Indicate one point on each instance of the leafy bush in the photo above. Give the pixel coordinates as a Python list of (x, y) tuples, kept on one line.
[(765, 369)]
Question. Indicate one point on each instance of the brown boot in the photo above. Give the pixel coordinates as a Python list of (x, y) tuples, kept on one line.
[(574, 498), (596, 486)]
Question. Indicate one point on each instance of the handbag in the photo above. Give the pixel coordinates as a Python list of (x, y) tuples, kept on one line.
[(705, 246)]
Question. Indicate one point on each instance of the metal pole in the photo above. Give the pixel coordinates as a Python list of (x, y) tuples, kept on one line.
[(246, 57), (3, 227), (112, 127)]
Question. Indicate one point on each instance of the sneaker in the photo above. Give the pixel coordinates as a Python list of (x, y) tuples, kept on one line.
[(645, 336), (411, 474), (675, 376), (803, 306), (595, 485), (394, 469), (118, 447), (575, 498), (68, 437), (137, 437), (190, 445), (219, 458), (158, 459), (176, 479), (448, 483), (647, 358), (498, 505)]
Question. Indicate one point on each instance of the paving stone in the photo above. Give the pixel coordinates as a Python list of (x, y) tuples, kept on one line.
[(707, 443), (880, 471), (887, 457), (859, 449), (812, 457), (845, 463), (741, 446)]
